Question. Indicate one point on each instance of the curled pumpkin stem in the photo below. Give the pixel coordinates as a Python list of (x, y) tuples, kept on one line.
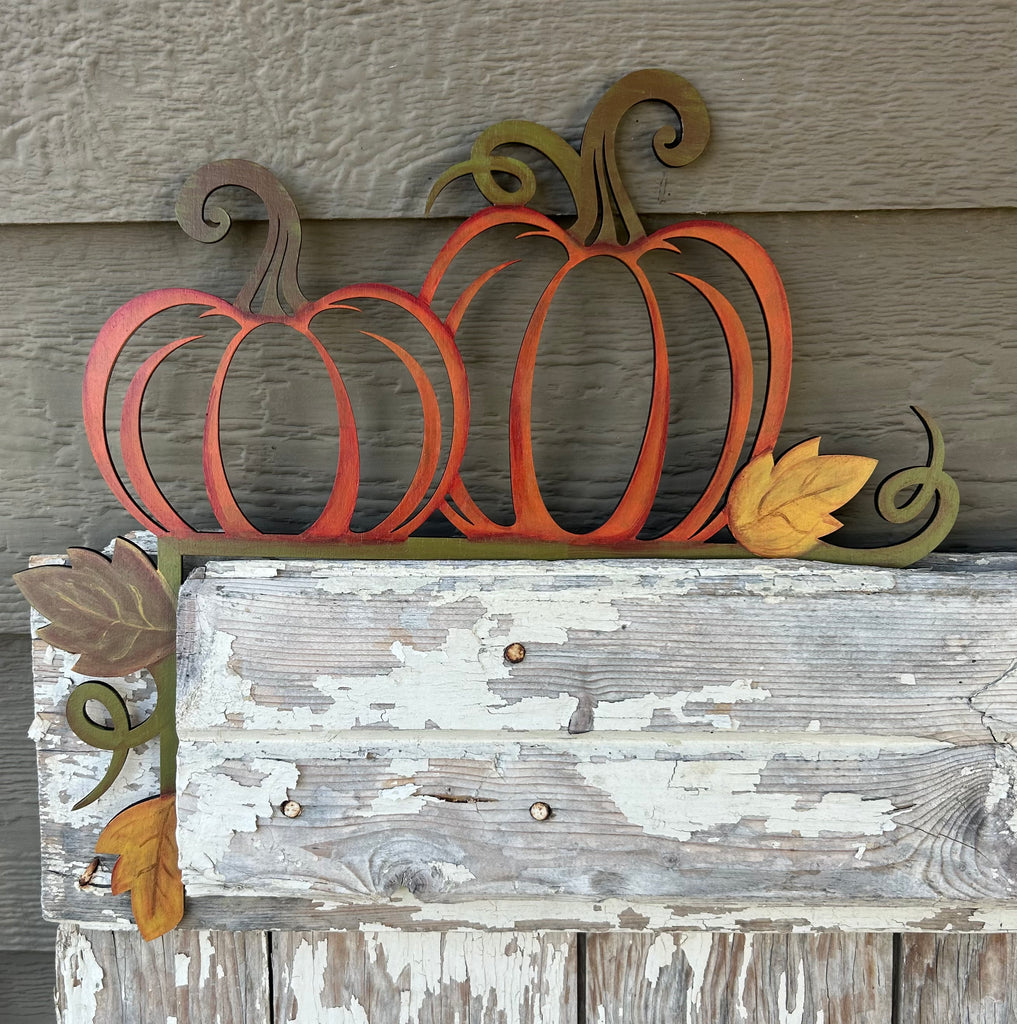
[(277, 267), (604, 209)]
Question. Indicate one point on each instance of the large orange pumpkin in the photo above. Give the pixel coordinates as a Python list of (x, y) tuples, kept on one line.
[(607, 226)]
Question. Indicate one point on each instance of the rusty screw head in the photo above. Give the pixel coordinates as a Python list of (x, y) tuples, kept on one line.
[(540, 811), (515, 653), (89, 873), (291, 809)]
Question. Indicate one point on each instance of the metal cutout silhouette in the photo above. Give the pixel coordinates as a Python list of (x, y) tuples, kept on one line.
[(606, 226)]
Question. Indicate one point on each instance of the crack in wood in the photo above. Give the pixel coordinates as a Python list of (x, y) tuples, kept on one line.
[(457, 798)]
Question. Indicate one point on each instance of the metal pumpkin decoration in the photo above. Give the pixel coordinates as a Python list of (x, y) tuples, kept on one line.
[(608, 227), (285, 304), (119, 613)]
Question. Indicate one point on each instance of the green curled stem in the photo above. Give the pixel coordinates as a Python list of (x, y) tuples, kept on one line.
[(924, 484), (483, 162), (604, 210), (120, 736)]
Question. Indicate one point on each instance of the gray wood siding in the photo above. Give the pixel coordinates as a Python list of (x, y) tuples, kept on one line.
[(21, 925), (816, 106)]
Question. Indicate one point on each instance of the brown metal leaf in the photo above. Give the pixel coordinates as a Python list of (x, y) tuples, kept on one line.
[(144, 837), (118, 614), (781, 511)]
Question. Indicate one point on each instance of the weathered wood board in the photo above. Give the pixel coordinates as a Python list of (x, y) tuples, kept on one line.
[(964, 979), (707, 735), (872, 106), (696, 978), (417, 978), (192, 977), (184, 977)]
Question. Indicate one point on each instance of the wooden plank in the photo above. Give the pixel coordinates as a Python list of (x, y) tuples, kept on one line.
[(881, 320), (970, 772), (26, 986), (21, 925), (377, 697), (190, 977), (523, 978), (306, 649), (689, 978), (964, 979), (734, 820), (67, 770), (102, 113)]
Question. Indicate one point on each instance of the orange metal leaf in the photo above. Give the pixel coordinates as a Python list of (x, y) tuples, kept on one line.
[(118, 614), (781, 511), (144, 837)]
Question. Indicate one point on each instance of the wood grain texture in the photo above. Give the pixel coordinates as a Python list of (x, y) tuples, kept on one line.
[(377, 697), (424, 979), (964, 979), (192, 977), (926, 801), (312, 648), (27, 987), (814, 106), (717, 822), (889, 309), (67, 770), (725, 979)]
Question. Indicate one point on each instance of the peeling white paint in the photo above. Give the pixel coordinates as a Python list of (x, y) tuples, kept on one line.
[(309, 972), (808, 580), (454, 874), (219, 688), (794, 1006), (397, 800), (81, 977), (659, 957), (667, 791), (181, 967), (585, 915), (206, 952), (219, 807), (696, 950), (681, 799), (637, 712)]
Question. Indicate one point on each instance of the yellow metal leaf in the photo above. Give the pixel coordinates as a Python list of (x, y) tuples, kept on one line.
[(144, 837), (781, 511)]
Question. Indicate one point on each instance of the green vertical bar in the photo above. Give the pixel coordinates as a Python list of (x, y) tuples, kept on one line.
[(171, 564)]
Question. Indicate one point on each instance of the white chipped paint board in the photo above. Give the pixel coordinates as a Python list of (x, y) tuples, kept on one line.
[(708, 735)]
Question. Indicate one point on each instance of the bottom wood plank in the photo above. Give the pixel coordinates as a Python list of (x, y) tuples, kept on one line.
[(959, 979), (697, 978), (185, 977), (414, 978)]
